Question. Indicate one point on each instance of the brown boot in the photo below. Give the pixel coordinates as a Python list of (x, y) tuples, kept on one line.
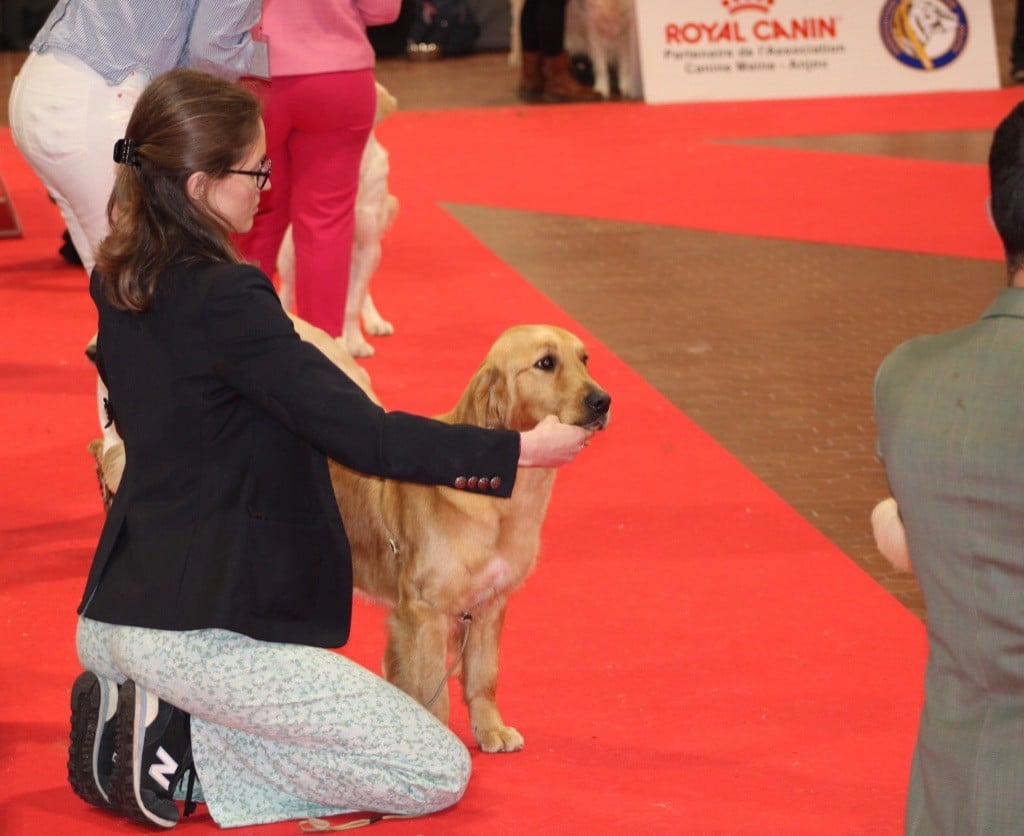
[(531, 78), (560, 86)]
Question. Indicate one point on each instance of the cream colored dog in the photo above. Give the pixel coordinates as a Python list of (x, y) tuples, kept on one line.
[(610, 42), (375, 212), (446, 561)]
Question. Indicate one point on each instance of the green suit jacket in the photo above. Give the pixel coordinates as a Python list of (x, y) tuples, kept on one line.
[(950, 415)]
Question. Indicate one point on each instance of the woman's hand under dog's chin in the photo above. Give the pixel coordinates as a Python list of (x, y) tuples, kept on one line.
[(552, 443)]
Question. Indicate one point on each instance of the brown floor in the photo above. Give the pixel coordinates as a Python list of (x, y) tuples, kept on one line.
[(796, 415)]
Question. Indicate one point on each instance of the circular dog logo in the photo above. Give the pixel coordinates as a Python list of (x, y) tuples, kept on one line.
[(924, 34)]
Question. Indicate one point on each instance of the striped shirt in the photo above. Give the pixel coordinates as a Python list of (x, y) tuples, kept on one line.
[(117, 37)]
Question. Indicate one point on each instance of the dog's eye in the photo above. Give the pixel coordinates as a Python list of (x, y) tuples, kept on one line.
[(546, 363)]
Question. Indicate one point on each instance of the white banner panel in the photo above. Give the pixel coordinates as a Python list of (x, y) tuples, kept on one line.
[(700, 50)]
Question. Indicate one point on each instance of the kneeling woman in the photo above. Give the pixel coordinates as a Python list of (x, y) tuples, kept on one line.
[(222, 575)]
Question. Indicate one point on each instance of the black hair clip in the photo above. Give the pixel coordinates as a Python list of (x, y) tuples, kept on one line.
[(126, 152)]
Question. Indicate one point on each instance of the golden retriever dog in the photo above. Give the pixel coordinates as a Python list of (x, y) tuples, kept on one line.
[(446, 561)]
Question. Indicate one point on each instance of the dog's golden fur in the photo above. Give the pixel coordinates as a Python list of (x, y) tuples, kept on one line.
[(435, 554)]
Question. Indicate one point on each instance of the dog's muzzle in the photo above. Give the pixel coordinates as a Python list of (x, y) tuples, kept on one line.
[(598, 404)]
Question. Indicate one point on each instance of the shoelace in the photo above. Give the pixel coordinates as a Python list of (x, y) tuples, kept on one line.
[(190, 804), (322, 825)]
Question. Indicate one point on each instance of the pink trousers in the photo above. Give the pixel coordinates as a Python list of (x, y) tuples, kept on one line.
[(317, 127)]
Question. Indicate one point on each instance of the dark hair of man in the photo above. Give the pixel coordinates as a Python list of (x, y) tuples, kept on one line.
[(185, 121), (1006, 184)]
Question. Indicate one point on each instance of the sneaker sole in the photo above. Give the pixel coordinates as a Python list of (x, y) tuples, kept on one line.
[(90, 701), (126, 779)]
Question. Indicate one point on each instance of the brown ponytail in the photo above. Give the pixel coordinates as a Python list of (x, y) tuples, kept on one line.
[(185, 121)]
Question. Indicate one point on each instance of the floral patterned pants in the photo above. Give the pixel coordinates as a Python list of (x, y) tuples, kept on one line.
[(284, 731)]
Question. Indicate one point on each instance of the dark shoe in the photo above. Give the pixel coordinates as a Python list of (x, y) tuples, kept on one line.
[(560, 86), (154, 752), (531, 78), (91, 753), (68, 252), (1017, 75)]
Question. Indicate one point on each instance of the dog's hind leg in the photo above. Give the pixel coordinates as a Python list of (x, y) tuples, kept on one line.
[(480, 683), (416, 655)]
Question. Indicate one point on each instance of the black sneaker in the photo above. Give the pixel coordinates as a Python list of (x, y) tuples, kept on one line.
[(154, 752), (91, 753)]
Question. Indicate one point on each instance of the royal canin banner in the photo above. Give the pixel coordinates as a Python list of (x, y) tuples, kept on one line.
[(701, 50)]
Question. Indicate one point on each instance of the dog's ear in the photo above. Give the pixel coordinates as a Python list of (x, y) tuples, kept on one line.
[(497, 398), (485, 401)]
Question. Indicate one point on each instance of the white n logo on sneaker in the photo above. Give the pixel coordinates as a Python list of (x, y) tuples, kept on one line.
[(163, 772)]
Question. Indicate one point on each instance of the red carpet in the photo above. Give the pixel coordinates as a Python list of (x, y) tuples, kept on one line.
[(691, 656)]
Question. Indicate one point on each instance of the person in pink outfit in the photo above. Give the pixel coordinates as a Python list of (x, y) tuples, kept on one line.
[(319, 109)]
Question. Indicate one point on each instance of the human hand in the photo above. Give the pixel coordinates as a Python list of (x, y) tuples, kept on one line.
[(552, 443)]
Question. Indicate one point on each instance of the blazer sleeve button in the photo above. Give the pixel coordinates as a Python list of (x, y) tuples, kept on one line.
[(471, 482), (495, 482), (460, 482)]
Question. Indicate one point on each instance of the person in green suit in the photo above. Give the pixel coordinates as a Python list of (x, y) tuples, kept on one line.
[(950, 415)]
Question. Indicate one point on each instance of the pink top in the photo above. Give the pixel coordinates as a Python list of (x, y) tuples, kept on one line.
[(323, 36)]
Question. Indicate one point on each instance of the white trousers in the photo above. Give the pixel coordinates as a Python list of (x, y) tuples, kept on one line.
[(65, 119), (283, 731)]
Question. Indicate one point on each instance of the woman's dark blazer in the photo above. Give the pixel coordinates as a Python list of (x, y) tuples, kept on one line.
[(225, 515)]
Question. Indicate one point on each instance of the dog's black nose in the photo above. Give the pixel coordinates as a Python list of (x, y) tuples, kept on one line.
[(598, 402)]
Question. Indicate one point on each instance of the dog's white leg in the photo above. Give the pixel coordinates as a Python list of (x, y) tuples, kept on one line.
[(365, 258), (373, 322), (629, 61), (515, 44), (577, 28), (375, 212), (602, 77), (286, 270), (599, 60)]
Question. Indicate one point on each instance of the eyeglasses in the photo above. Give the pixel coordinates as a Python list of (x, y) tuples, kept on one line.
[(260, 175)]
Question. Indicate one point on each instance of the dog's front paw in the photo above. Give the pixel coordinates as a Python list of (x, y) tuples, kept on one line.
[(355, 345), (499, 739), (373, 322), (378, 327)]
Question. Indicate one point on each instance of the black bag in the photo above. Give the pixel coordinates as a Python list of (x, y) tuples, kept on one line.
[(450, 25)]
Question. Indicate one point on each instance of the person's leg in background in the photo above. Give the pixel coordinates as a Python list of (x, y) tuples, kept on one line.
[(531, 76), (261, 243), (542, 25), (333, 115), (65, 119)]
